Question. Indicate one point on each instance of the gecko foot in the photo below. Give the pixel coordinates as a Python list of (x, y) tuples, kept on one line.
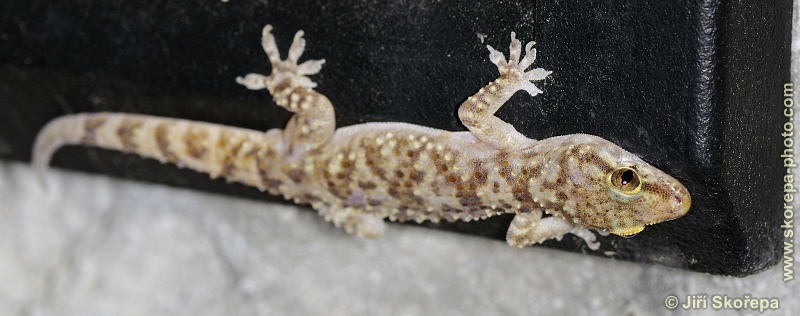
[(587, 236), (354, 221), (514, 69), (530, 228), (283, 70)]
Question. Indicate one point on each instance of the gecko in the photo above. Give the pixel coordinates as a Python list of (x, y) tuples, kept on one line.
[(358, 176)]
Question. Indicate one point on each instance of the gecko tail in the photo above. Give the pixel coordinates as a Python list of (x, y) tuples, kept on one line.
[(65, 130), (237, 154)]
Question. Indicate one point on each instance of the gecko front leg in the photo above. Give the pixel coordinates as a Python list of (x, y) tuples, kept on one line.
[(308, 131), (314, 122), (477, 113)]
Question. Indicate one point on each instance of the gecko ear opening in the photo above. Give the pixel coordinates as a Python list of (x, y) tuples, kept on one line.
[(627, 231)]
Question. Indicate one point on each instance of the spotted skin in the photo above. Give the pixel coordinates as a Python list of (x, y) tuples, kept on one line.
[(357, 176)]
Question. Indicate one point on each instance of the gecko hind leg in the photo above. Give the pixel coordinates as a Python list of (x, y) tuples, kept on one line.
[(530, 228), (477, 112), (313, 123), (354, 221)]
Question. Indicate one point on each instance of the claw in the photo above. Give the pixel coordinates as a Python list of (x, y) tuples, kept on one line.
[(253, 81), (536, 74), (530, 88), (310, 67), (514, 50), (530, 56), (497, 58), (298, 45), (268, 43)]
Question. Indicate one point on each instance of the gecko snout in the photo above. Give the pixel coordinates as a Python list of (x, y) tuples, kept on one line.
[(681, 201)]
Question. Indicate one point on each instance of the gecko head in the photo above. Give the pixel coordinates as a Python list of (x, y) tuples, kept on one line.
[(610, 188)]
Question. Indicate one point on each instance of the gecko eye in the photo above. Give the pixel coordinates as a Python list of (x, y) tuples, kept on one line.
[(626, 180)]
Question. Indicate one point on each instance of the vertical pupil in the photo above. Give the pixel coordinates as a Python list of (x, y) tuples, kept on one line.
[(626, 177)]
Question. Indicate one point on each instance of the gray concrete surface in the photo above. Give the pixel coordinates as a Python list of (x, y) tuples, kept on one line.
[(92, 245)]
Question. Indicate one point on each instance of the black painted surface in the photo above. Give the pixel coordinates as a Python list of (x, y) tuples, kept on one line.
[(694, 88)]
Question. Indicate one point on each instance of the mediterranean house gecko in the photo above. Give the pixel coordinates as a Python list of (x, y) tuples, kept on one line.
[(357, 176)]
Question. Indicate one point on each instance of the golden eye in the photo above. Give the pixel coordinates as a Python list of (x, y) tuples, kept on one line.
[(626, 180)]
